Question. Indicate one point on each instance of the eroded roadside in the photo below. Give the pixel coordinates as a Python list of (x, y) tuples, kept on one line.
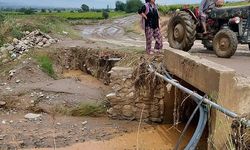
[(126, 32), (30, 90)]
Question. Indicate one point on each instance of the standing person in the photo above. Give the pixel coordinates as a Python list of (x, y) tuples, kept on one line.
[(150, 20), (205, 6)]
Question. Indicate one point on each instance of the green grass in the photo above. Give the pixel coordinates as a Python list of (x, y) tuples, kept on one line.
[(82, 109), (87, 110), (46, 65)]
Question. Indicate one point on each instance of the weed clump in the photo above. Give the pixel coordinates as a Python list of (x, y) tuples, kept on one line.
[(82, 109), (46, 65), (92, 110)]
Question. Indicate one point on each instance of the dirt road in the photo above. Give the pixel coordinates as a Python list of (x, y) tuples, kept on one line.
[(115, 33)]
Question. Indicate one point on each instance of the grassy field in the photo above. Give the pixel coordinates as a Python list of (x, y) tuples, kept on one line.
[(70, 15), (13, 24)]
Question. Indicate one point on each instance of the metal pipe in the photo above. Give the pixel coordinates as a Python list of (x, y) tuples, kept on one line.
[(199, 97)]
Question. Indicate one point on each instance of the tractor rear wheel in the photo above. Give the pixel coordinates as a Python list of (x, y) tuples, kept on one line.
[(181, 31), (249, 46), (225, 43), (208, 44)]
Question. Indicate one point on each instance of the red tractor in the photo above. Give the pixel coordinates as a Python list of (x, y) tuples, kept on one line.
[(226, 27)]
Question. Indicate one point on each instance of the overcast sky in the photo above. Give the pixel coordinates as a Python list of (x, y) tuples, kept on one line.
[(77, 3)]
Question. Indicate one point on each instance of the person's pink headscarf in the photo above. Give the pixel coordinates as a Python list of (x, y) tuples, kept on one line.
[(219, 2)]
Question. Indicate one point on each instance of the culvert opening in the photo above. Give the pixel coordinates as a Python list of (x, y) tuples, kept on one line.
[(179, 108)]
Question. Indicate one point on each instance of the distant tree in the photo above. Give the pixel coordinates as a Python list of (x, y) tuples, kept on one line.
[(27, 11), (133, 5), (43, 10), (107, 8), (50, 11), (21, 10), (72, 11), (85, 8), (120, 6), (58, 10), (105, 14)]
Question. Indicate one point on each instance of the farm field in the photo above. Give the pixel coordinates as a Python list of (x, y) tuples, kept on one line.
[(69, 15)]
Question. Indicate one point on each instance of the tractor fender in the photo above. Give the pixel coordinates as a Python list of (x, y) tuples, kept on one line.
[(192, 14)]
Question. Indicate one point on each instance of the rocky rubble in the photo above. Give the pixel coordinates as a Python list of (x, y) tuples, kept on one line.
[(32, 39)]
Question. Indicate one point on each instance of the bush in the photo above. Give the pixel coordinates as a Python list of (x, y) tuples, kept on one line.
[(105, 14), (16, 32)]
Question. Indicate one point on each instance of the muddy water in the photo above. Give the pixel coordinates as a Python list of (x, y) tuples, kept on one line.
[(160, 137)]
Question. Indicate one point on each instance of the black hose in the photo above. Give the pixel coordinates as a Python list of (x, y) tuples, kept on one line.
[(199, 130), (188, 123), (201, 124)]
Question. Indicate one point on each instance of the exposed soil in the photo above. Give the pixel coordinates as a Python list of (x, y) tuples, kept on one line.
[(161, 140), (38, 93)]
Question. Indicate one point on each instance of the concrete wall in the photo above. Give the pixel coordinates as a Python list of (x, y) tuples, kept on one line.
[(218, 82)]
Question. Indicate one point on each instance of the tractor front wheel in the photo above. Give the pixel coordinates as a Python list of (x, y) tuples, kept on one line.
[(225, 43), (181, 31)]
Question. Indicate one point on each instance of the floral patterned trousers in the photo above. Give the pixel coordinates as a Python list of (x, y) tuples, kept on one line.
[(150, 34)]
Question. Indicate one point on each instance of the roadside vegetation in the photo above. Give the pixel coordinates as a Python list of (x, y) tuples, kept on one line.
[(14, 26)]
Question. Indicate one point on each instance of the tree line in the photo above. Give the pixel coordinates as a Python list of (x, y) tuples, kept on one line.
[(129, 7)]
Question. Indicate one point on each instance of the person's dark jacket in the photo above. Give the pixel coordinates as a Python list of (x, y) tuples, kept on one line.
[(152, 20)]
